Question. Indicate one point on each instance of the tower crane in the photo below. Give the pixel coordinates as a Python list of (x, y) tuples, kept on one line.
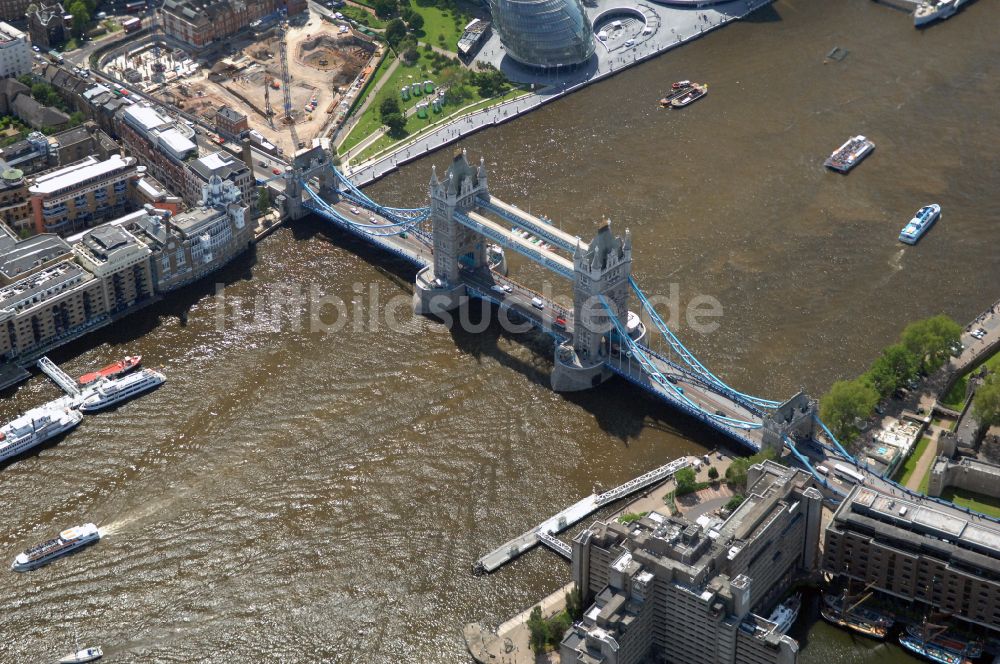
[(286, 80)]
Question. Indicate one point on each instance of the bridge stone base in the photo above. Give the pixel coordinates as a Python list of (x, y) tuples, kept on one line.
[(430, 298), (570, 374)]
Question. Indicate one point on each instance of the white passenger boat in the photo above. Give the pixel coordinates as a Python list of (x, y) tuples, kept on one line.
[(920, 224), (68, 540), (933, 10), (107, 393), (786, 613), (35, 427)]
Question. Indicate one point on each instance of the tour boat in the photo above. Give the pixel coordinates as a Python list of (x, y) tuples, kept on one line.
[(107, 393), (786, 613), (83, 655), (114, 370), (850, 154), (35, 427), (932, 10), (920, 224), (68, 540), (931, 651), (693, 94)]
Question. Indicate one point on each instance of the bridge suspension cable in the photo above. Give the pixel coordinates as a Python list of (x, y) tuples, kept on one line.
[(393, 228), (689, 358), (790, 444), (840, 448), (656, 375), (357, 195)]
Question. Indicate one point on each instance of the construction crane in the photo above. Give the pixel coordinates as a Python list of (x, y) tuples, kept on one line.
[(286, 81), (268, 111)]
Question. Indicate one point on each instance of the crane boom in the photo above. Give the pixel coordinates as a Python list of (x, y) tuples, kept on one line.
[(286, 80)]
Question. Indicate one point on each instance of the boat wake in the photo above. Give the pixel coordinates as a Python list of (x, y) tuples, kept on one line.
[(140, 514)]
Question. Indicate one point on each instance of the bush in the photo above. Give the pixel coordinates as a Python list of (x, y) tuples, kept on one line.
[(713, 474), (631, 516), (734, 502), (986, 403), (686, 481)]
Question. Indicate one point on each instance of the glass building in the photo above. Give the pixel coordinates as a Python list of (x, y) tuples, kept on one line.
[(544, 33)]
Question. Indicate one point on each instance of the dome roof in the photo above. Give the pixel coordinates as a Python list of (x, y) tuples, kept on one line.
[(544, 33)]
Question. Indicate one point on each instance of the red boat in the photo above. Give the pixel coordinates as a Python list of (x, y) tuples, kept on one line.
[(119, 368)]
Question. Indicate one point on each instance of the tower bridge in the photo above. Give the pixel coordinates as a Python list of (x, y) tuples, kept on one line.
[(455, 245)]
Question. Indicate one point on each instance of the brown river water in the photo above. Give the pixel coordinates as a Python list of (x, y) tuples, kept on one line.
[(298, 495)]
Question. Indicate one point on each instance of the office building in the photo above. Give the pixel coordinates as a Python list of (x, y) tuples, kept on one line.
[(545, 34), (15, 52), (158, 141), (75, 197), (919, 550), (230, 123), (665, 589), (227, 167), (201, 22)]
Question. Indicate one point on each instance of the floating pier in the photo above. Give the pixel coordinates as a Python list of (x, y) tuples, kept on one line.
[(545, 532), (59, 377)]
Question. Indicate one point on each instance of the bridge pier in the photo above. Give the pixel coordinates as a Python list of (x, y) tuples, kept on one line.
[(434, 296), (570, 373)]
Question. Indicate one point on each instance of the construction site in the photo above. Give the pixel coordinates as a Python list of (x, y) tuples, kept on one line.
[(325, 66)]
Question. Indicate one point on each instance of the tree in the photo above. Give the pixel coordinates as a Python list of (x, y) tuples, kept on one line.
[(846, 402), (539, 630), (558, 624), (395, 32), (686, 481), (385, 8), (263, 199), (81, 17), (986, 403), (713, 474), (490, 81), (894, 368), (416, 22), (736, 474), (389, 106), (396, 124), (931, 340), (734, 502), (574, 603)]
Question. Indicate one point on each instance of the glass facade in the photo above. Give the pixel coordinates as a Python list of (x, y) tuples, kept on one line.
[(544, 33)]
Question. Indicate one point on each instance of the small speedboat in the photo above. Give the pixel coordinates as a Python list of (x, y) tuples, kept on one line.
[(680, 84), (84, 655), (920, 224), (693, 94)]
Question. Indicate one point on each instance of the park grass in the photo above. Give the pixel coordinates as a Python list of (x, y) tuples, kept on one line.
[(955, 399), (925, 481), (440, 23), (911, 463), (974, 501), (416, 125)]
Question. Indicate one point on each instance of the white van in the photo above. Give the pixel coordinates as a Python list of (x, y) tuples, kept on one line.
[(537, 303)]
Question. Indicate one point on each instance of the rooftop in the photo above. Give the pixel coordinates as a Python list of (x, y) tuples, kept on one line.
[(176, 141), (222, 164), (146, 117), (21, 256), (75, 174), (42, 285), (9, 33)]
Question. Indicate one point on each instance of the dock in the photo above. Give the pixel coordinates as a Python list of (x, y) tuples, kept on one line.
[(59, 377), (545, 532)]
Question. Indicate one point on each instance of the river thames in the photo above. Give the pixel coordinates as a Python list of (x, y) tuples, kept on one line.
[(298, 495)]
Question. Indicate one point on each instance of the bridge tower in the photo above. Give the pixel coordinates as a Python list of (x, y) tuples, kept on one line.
[(456, 247), (796, 419), (602, 271)]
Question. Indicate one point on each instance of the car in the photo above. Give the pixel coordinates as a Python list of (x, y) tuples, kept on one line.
[(372, 218), (263, 163), (36, 49), (559, 322), (672, 379), (276, 171), (508, 288), (355, 210), (979, 333), (496, 288), (629, 43), (720, 413)]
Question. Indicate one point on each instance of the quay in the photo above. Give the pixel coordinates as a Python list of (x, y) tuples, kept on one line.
[(545, 531)]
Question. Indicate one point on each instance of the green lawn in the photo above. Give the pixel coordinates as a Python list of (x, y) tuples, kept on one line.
[(441, 22), (362, 16), (415, 125), (955, 398), (974, 501), (925, 481), (911, 462)]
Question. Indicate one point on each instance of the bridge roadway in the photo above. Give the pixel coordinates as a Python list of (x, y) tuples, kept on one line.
[(416, 250)]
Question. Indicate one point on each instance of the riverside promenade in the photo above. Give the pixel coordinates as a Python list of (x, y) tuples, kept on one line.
[(670, 27)]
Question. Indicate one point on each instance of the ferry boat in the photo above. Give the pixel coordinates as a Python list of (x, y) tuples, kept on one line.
[(931, 651), (82, 655), (691, 95), (68, 540), (932, 10), (35, 427), (850, 154), (786, 613), (114, 391), (114, 370), (949, 641), (855, 625), (920, 224)]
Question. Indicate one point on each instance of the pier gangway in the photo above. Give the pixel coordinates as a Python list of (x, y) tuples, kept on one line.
[(58, 376), (556, 544), (643, 481)]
